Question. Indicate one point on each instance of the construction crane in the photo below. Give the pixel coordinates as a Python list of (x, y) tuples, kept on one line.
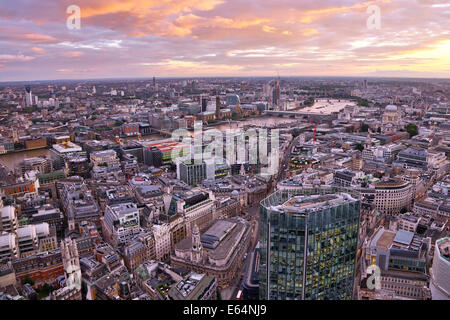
[(315, 128)]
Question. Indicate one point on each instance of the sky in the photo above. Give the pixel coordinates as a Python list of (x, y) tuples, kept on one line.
[(194, 38)]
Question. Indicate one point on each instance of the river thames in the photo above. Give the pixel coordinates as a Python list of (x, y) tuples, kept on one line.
[(11, 159)]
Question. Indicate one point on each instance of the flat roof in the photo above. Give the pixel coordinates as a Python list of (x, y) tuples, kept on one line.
[(301, 203), (385, 239), (404, 237), (216, 233), (328, 106)]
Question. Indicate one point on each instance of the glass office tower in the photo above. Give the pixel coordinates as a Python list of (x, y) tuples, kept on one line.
[(308, 244)]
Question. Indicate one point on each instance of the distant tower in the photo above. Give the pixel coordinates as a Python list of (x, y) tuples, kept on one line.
[(154, 81), (276, 92), (71, 262), (368, 141), (15, 136), (204, 102), (94, 91), (28, 96), (278, 89), (357, 162), (217, 107), (197, 248), (242, 170), (274, 96)]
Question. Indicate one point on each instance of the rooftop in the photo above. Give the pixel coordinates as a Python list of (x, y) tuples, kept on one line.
[(404, 237), (191, 288), (328, 106), (212, 237), (314, 202), (66, 147)]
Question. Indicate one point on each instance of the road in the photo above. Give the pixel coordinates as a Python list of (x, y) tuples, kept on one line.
[(284, 165), (252, 214)]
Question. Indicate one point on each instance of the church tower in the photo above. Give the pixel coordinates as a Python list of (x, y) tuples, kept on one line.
[(197, 248), (71, 262), (368, 142)]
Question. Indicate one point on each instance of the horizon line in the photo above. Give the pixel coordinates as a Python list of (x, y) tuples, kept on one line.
[(224, 77)]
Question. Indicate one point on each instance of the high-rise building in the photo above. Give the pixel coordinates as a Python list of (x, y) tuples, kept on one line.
[(233, 99), (192, 173), (217, 107), (28, 96), (274, 96), (276, 92), (308, 244), (440, 271), (204, 102)]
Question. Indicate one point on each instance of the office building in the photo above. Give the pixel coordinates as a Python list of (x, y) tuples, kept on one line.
[(61, 150), (104, 158), (308, 245), (121, 223), (440, 271), (28, 96), (192, 174), (392, 196), (232, 99)]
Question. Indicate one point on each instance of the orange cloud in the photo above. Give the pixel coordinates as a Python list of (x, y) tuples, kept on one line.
[(73, 54), (38, 50), (37, 38), (4, 58)]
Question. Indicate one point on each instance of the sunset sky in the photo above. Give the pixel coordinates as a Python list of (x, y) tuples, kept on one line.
[(189, 38)]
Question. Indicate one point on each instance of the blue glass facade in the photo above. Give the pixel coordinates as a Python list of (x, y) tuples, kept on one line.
[(308, 255)]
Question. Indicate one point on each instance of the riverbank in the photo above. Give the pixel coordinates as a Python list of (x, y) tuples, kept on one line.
[(11, 159)]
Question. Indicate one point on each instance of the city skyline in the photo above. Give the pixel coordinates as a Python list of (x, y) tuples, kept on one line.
[(140, 39)]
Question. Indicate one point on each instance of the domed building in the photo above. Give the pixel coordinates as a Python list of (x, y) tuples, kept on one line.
[(391, 119)]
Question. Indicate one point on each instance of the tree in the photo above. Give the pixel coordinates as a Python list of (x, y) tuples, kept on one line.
[(364, 127), (28, 280), (359, 147), (363, 102), (309, 102), (412, 129)]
